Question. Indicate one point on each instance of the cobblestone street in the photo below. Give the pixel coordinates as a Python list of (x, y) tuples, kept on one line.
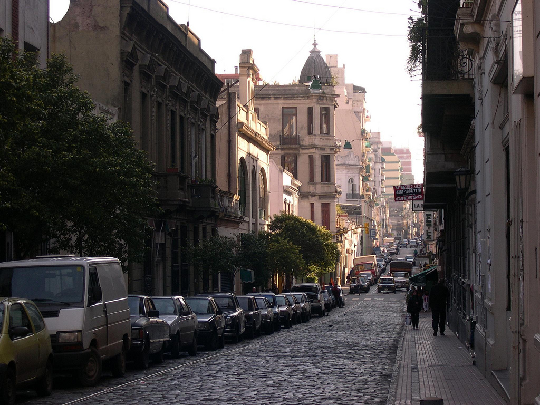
[(347, 357)]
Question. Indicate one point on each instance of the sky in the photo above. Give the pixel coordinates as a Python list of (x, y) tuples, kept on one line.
[(369, 37)]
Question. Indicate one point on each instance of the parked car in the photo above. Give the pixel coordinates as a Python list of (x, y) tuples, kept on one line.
[(401, 278), (182, 321), (210, 322), (328, 289), (149, 334), (314, 293), (84, 303), (305, 303), (327, 301), (26, 358), (386, 283), (235, 323), (285, 311), (297, 308), (271, 297), (364, 284), (267, 314), (252, 314), (369, 275)]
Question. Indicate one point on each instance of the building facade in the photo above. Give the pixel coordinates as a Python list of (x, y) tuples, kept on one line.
[(140, 66)]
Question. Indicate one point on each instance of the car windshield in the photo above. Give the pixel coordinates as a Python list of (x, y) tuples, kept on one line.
[(44, 284), (400, 274), (226, 303), (385, 280), (134, 305), (261, 302), (298, 297), (245, 303), (304, 288), (165, 306), (280, 300), (200, 306)]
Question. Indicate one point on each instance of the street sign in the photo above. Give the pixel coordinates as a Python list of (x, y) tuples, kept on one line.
[(409, 192), (418, 205), (366, 227), (373, 233)]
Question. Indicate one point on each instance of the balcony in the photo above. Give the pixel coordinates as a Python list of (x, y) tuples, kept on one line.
[(289, 140), (172, 187), (353, 196), (204, 199), (229, 206)]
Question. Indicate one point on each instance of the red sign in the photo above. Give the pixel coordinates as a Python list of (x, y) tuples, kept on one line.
[(409, 192)]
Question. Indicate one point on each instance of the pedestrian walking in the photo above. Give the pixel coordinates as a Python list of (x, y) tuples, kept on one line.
[(425, 299), (413, 307), (437, 302)]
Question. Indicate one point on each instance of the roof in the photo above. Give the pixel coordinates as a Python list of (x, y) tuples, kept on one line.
[(315, 66)]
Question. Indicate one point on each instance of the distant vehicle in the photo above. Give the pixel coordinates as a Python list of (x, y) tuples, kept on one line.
[(210, 322), (235, 323), (386, 283), (267, 312), (182, 321), (314, 293), (400, 265), (271, 297), (26, 358), (401, 278), (297, 308), (252, 314), (150, 335), (285, 311), (305, 303)]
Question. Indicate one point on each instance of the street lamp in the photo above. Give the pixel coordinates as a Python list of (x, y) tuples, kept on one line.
[(463, 179)]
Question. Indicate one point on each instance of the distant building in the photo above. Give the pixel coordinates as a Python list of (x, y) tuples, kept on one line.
[(26, 22)]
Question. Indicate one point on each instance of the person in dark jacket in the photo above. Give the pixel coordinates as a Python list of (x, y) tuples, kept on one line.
[(414, 305), (437, 302)]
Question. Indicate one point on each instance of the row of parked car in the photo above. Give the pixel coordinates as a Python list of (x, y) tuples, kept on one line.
[(77, 318)]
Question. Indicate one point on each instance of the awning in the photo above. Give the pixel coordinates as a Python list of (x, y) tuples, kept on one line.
[(427, 276)]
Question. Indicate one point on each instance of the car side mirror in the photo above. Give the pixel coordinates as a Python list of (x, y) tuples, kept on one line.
[(219, 312), (18, 331), (153, 313)]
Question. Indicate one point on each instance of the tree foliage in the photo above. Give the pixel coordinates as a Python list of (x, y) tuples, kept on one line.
[(218, 254), (68, 177), (415, 36), (253, 254)]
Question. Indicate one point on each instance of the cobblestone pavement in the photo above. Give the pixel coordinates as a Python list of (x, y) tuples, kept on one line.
[(347, 357)]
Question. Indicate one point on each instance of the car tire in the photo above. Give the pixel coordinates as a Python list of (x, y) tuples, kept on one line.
[(158, 356), (192, 350), (90, 374), (213, 342), (175, 346), (44, 386), (118, 363), (143, 358), (9, 387)]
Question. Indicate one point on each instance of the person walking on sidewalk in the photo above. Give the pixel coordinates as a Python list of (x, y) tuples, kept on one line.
[(437, 302), (413, 307)]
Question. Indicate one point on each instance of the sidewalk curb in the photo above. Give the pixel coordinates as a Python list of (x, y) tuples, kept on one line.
[(399, 359)]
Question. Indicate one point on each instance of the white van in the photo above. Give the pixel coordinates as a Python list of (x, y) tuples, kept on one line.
[(84, 303)]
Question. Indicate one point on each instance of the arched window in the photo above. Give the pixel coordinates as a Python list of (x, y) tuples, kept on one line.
[(242, 182), (262, 194)]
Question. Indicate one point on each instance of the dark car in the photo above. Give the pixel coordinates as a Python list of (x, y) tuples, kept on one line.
[(252, 315), (363, 284), (235, 323), (271, 297), (149, 334), (327, 301), (182, 321), (314, 293), (297, 308), (285, 311), (267, 314), (211, 322), (386, 283), (328, 289), (305, 303)]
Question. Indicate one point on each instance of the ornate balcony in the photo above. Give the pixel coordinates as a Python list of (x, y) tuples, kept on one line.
[(172, 187), (204, 199)]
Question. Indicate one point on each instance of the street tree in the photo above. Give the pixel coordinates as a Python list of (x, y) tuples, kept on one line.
[(218, 254), (253, 255), (68, 177)]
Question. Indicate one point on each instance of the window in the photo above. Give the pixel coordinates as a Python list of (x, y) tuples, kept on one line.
[(18, 317), (173, 139), (145, 123), (311, 164), (310, 120), (289, 121), (325, 214), (312, 206), (288, 162), (262, 194), (325, 120), (325, 168), (352, 186), (35, 315), (127, 102), (253, 193), (182, 127), (242, 180)]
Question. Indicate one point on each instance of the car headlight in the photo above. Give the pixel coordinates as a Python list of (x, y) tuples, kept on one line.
[(69, 337), (137, 333)]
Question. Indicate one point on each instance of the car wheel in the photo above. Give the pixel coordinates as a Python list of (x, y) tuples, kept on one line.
[(192, 351), (90, 373), (175, 346), (45, 384), (9, 391), (213, 341), (143, 358), (118, 365), (158, 357)]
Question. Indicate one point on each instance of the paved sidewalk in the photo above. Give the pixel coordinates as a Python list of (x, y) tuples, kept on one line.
[(440, 367)]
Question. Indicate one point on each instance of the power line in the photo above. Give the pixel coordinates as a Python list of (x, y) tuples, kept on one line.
[(350, 8)]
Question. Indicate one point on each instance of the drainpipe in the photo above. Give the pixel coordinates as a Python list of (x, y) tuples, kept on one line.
[(229, 141)]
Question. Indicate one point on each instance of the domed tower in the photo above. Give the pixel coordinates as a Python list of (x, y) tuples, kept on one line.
[(315, 68)]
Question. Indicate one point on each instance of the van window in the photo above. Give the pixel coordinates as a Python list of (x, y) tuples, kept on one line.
[(94, 289), (62, 285)]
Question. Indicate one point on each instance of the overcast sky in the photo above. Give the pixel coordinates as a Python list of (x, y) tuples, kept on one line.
[(369, 37)]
